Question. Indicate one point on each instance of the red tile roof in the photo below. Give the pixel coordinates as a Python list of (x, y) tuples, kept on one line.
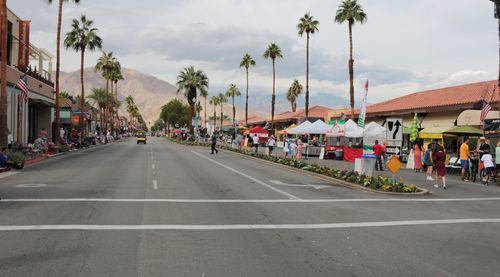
[(314, 112), (457, 97)]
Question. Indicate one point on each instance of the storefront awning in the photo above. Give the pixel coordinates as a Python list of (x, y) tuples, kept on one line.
[(432, 132), (464, 131)]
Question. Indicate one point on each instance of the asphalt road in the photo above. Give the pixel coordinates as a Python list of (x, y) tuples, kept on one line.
[(163, 209)]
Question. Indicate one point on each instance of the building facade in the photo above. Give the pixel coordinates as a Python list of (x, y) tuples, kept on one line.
[(25, 118)]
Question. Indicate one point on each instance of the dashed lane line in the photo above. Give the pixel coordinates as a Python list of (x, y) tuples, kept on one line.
[(249, 226), (155, 184), (290, 196)]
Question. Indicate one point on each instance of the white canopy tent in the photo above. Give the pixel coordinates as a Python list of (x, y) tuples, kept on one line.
[(373, 131), (352, 130), (299, 130), (318, 127)]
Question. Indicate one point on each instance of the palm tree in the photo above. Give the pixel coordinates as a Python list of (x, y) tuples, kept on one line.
[(58, 57), (308, 25), (82, 37), (114, 76), (293, 92), (204, 94), (106, 64), (232, 92), (273, 52), (222, 99), (246, 62), (351, 12), (215, 101), (99, 97), (198, 108), (190, 81)]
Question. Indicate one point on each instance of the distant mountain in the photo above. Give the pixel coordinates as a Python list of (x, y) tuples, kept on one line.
[(149, 93)]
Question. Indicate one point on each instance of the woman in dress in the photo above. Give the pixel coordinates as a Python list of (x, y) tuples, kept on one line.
[(417, 156), (299, 149), (439, 163)]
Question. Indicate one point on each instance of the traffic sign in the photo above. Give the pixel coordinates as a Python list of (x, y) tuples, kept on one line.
[(394, 150), (394, 129), (394, 164)]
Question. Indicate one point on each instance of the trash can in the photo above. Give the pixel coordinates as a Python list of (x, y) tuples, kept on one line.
[(339, 154), (368, 164)]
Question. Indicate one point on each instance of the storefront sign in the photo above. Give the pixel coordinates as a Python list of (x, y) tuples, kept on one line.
[(24, 44)]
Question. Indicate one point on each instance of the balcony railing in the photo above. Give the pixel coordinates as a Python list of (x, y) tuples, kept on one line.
[(40, 76)]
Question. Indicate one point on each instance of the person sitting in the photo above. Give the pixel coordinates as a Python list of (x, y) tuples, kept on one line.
[(4, 159)]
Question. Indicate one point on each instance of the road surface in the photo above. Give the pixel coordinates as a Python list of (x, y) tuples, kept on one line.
[(163, 209)]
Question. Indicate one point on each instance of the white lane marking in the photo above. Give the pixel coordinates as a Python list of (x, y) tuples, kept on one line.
[(8, 174), (354, 200), (31, 185), (155, 184), (153, 166), (290, 196), (304, 185), (250, 226)]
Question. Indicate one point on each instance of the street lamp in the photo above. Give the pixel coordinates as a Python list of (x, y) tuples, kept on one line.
[(497, 16)]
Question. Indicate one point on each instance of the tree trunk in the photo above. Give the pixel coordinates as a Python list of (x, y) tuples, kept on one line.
[(273, 101), (215, 117), (351, 72), (58, 67), (294, 106), (191, 113), (307, 78), (106, 112), (234, 111), (221, 116), (3, 73), (246, 102), (205, 113), (82, 100)]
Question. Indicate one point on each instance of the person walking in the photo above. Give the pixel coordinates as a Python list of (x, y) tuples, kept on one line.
[(299, 149), (432, 148), (255, 142), (286, 147), (489, 166), (497, 156), (417, 157), (464, 158), (214, 143), (439, 159), (293, 149), (270, 144), (378, 151)]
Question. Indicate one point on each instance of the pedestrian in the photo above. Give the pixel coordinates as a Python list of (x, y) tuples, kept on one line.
[(271, 143), (464, 158), (214, 142), (497, 156), (378, 151), (293, 149), (10, 139), (417, 157), (487, 160), (299, 149), (432, 148), (286, 147), (483, 147), (43, 134), (255, 142), (439, 163)]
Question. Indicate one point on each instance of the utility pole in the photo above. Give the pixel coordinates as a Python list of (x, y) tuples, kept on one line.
[(497, 16)]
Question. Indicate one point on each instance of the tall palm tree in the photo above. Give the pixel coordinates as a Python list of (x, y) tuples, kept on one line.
[(204, 94), (114, 76), (232, 92), (246, 62), (190, 81), (82, 37), (215, 102), (99, 97), (351, 12), (293, 92), (308, 25), (106, 64), (222, 99), (273, 52), (58, 57)]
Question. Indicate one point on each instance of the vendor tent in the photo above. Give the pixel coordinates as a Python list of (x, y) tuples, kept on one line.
[(337, 130), (318, 127), (299, 130), (373, 131), (261, 132), (464, 130), (352, 130)]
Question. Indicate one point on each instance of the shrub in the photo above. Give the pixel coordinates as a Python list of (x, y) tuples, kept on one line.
[(16, 156), (387, 188)]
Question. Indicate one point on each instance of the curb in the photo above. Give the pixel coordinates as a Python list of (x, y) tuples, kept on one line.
[(320, 176)]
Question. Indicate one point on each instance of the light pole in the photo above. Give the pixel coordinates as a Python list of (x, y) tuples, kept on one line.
[(497, 16)]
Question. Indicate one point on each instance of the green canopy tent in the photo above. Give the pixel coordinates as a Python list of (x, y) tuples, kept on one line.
[(464, 130)]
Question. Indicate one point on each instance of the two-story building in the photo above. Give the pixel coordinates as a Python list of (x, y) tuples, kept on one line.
[(26, 117)]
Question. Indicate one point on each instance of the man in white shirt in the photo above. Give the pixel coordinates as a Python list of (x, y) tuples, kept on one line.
[(255, 142), (10, 139), (489, 166)]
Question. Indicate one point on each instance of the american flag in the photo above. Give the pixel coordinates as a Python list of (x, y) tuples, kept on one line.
[(486, 109), (21, 84)]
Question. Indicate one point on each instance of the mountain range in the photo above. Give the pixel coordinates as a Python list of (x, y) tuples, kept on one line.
[(151, 93)]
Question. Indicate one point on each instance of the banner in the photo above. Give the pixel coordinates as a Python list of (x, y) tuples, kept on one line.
[(362, 114), (23, 57)]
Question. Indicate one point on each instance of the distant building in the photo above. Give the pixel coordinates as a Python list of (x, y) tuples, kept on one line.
[(26, 119)]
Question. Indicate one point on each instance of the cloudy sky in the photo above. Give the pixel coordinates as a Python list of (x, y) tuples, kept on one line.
[(405, 46)]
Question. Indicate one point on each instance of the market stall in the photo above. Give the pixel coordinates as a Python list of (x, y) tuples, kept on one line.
[(314, 147), (301, 129), (262, 133), (353, 145), (335, 138)]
